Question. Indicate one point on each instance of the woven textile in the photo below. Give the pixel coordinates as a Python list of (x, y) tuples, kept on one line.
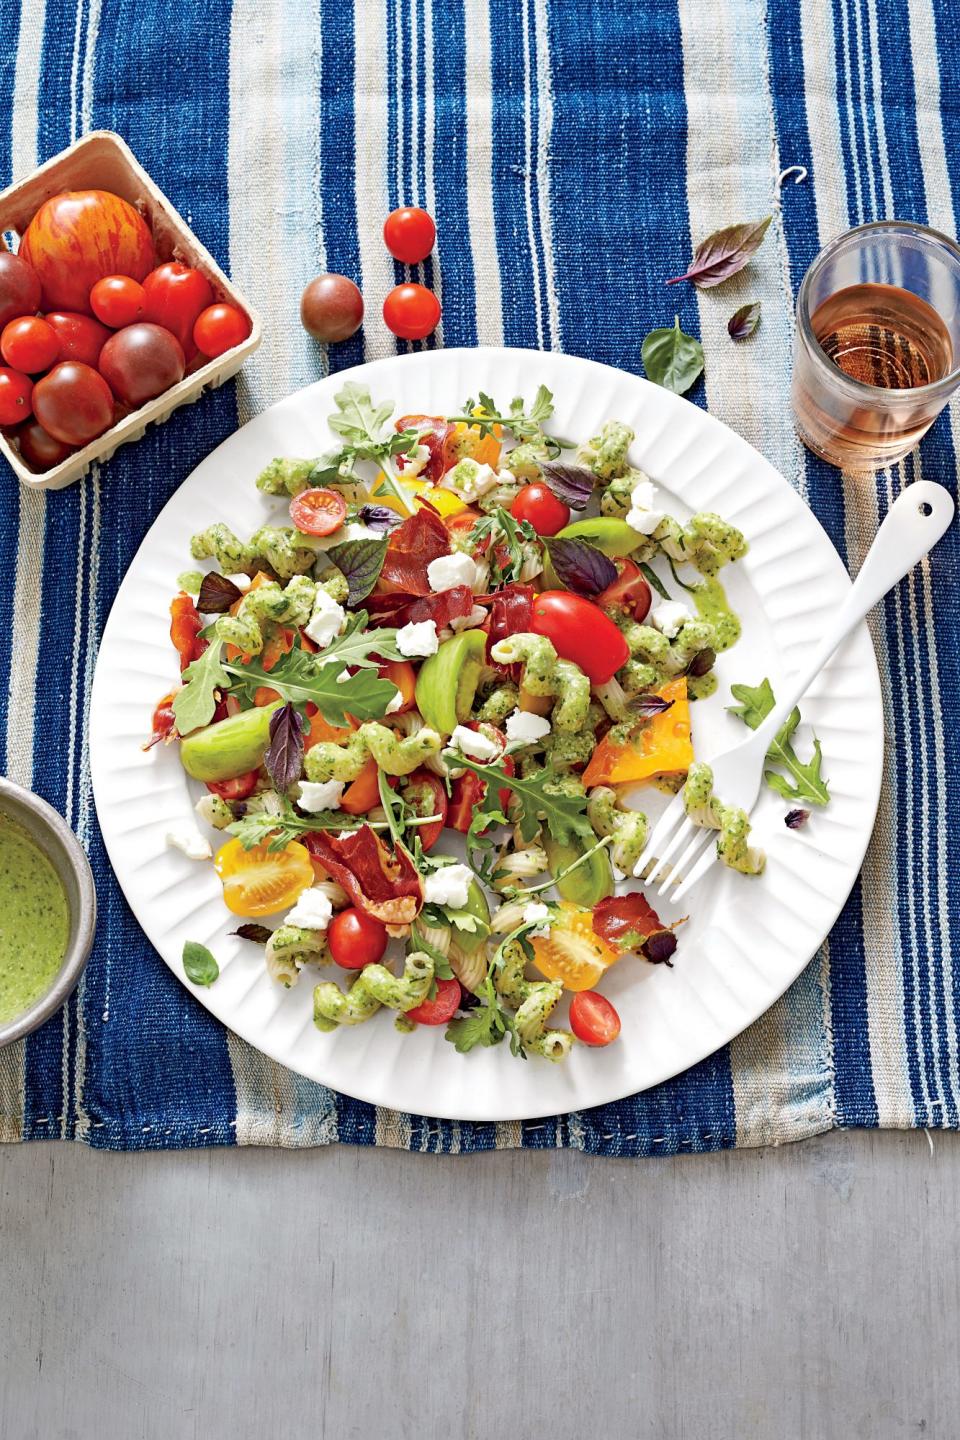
[(570, 151)]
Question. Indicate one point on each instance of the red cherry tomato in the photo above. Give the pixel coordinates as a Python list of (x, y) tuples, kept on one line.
[(424, 792), (538, 505), (176, 295), (356, 939), (468, 790), (81, 337), (409, 234), (629, 591), (77, 237), (318, 512), (140, 361), (41, 450), (441, 1008), (29, 344), (19, 287), (331, 308), (239, 788), (118, 300), (411, 311), (16, 391), (219, 328), (593, 1019), (580, 632)]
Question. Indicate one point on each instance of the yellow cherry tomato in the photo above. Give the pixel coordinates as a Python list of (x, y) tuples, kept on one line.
[(573, 953), (259, 881), (443, 501)]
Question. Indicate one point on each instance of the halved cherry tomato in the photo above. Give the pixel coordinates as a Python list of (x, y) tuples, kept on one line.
[(593, 1019), (468, 789), (236, 789), (441, 1008), (538, 505), (185, 627), (259, 881), (364, 793), (425, 794), (402, 674), (412, 312), (580, 632), (356, 939), (572, 952), (629, 591), (318, 512)]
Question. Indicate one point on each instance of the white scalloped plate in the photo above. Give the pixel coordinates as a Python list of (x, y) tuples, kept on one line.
[(746, 939)]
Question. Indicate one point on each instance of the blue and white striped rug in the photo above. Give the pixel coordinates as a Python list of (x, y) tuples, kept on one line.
[(570, 150)]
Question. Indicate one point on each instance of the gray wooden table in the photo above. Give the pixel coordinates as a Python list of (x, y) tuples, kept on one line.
[(807, 1293)]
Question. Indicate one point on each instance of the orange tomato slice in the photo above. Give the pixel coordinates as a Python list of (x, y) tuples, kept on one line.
[(364, 793), (573, 953), (402, 674), (661, 747), (259, 881)]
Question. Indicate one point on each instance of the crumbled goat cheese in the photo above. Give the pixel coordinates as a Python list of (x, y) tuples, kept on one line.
[(474, 744), (187, 837), (524, 726), (448, 886), (668, 617), (311, 912), (449, 570), (326, 621), (418, 638), (320, 795)]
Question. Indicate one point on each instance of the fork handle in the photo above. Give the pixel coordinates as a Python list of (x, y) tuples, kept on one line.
[(914, 523)]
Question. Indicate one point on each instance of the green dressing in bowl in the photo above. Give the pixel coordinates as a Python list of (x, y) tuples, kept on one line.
[(34, 921)]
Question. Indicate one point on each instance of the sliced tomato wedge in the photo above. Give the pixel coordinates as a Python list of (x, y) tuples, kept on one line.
[(441, 1008), (259, 881), (402, 674), (593, 1019), (425, 794), (318, 512), (630, 591), (239, 788), (185, 627)]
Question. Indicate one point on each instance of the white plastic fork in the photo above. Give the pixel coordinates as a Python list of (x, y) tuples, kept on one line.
[(678, 852)]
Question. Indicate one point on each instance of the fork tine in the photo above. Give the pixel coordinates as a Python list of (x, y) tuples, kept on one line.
[(660, 835), (683, 863), (698, 871), (680, 837)]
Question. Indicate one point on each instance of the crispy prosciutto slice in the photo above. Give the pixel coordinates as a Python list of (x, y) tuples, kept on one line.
[(384, 883), (629, 922), (435, 433), (511, 612), (410, 549), (402, 608)]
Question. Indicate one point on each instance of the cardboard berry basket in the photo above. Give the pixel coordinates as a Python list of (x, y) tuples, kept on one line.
[(103, 161)]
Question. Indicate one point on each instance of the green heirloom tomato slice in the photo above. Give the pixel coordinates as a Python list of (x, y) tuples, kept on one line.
[(471, 940), (230, 747), (589, 883), (448, 680), (614, 537)]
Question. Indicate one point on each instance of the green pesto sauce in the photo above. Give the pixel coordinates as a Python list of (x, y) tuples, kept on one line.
[(34, 921), (712, 605)]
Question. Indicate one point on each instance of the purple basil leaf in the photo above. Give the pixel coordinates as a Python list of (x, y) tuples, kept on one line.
[(217, 594), (284, 757), (794, 819), (652, 705), (572, 484), (361, 562), (581, 567), (724, 253), (744, 321), (379, 518), (259, 934), (660, 946)]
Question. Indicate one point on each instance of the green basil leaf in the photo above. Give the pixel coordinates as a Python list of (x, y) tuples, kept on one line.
[(672, 359), (198, 963)]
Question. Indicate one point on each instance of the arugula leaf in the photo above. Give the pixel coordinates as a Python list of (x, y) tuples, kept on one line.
[(199, 964), (441, 965), (299, 677), (359, 421), (278, 830), (653, 579), (808, 784), (465, 920), (357, 646), (523, 424), (756, 702), (194, 704), (360, 562), (564, 815), (478, 1028), (501, 528)]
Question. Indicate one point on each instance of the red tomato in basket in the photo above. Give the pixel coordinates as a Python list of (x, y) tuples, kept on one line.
[(220, 328), (29, 344), (409, 234), (81, 337), (78, 237), (73, 403), (16, 392), (140, 361), (19, 287), (118, 300), (175, 297), (41, 450)]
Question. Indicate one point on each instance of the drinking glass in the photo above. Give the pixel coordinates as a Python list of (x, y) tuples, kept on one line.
[(877, 345)]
